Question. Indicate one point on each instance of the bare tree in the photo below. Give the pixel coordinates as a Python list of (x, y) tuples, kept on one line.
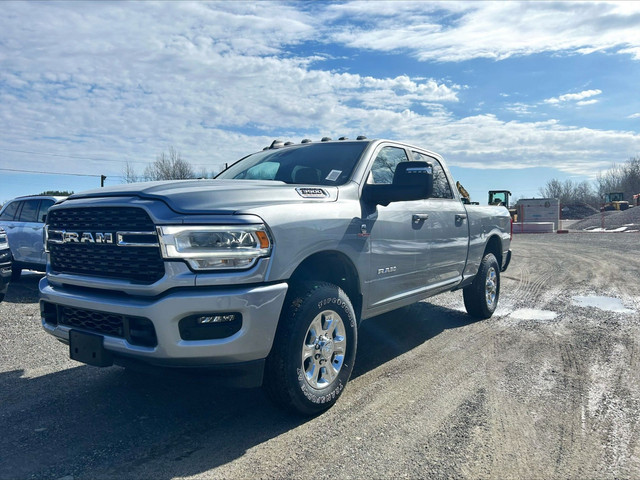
[(129, 174), (570, 192), (623, 178), (169, 166)]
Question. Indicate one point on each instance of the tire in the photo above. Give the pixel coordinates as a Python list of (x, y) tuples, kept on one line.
[(15, 273), (314, 349), (481, 297)]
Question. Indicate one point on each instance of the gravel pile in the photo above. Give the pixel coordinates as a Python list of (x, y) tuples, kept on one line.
[(578, 211), (626, 220)]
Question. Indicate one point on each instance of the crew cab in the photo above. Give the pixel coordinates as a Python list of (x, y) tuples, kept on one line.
[(266, 271)]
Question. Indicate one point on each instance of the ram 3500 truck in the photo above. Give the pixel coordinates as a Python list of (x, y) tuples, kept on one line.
[(266, 271)]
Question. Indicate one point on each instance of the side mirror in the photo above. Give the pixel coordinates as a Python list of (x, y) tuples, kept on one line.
[(411, 181)]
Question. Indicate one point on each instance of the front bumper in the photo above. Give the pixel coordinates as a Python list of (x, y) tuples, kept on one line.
[(260, 307)]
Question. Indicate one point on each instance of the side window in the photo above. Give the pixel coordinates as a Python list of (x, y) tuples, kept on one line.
[(10, 211), (384, 166), (44, 207), (441, 187), (29, 212)]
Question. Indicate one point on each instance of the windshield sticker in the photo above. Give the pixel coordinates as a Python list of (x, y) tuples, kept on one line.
[(333, 175)]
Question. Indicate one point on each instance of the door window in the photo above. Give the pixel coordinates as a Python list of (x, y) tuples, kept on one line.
[(384, 166), (44, 208), (29, 212)]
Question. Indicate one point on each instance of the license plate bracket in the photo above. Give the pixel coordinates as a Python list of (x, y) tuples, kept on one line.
[(89, 348)]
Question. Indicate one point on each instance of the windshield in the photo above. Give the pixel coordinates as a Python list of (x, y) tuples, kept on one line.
[(307, 164)]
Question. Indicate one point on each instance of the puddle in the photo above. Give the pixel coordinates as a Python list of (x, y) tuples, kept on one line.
[(608, 304), (533, 314)]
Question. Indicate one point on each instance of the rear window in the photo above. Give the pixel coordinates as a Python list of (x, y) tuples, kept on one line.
[(307, 164), (9, 211)]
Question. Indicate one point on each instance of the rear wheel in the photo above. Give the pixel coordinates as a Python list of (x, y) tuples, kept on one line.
[(481, 297), (314, 349)]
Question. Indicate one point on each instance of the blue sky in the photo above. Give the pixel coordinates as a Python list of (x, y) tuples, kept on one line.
[(511, 94)]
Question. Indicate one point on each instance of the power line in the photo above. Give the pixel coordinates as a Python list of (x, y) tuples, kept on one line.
[(70, 156), (96, 159), (49, 173)]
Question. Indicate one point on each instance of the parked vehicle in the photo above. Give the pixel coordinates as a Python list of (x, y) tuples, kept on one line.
[(614, 201), (5, 264), (23, 220), (267, 270)]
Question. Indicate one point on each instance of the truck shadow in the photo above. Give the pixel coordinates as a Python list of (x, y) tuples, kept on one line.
[(25, 289), (87, 422)]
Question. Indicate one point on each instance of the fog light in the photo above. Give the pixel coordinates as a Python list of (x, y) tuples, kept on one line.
[(210, 326), (227, 317)]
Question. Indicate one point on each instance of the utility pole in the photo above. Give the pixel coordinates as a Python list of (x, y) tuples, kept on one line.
[(102, 179)]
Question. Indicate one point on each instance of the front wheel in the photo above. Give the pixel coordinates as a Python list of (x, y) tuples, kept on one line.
[(314, 349), (481, 297)]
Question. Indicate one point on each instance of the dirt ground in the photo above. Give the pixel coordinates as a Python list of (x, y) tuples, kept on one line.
[(547, 388)]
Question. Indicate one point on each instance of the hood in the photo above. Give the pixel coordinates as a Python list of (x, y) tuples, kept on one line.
[(216, 196)]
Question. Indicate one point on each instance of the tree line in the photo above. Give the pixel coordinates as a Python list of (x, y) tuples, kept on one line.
[(623, 178), (167, 166)]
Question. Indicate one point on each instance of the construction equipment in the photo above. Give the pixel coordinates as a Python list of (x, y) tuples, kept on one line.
[(499, 197), (614, 201), (502, 197)]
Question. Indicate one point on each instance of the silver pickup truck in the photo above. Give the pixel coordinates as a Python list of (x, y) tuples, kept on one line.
[(265, 272)]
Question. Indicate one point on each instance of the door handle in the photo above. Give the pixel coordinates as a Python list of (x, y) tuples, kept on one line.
[(460, 217), (420, 217)]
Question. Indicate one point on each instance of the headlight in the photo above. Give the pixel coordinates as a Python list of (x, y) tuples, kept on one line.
[(215, 247), (4, 241)]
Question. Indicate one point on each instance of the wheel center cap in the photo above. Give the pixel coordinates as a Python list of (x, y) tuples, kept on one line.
[(326, 347)]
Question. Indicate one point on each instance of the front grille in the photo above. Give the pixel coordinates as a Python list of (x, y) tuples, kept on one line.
[(97, 322), (136, 330), (107, 218), (134, 263)]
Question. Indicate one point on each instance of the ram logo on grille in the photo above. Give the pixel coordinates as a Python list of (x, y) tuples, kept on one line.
[(123, 239)]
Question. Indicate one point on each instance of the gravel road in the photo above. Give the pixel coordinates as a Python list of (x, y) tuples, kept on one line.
[(547, 388)]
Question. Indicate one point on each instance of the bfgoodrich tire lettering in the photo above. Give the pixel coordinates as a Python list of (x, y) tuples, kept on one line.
[(481, 297), (314, 349)]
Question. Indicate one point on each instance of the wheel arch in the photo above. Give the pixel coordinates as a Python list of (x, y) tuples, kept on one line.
[(333, 267), (494, 245)]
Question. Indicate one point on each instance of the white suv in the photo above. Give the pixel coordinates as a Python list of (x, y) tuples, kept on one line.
[(23, 220)]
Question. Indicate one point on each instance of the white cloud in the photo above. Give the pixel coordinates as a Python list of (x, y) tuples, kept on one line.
[(575, 97), (455, 32), (634, 115)]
